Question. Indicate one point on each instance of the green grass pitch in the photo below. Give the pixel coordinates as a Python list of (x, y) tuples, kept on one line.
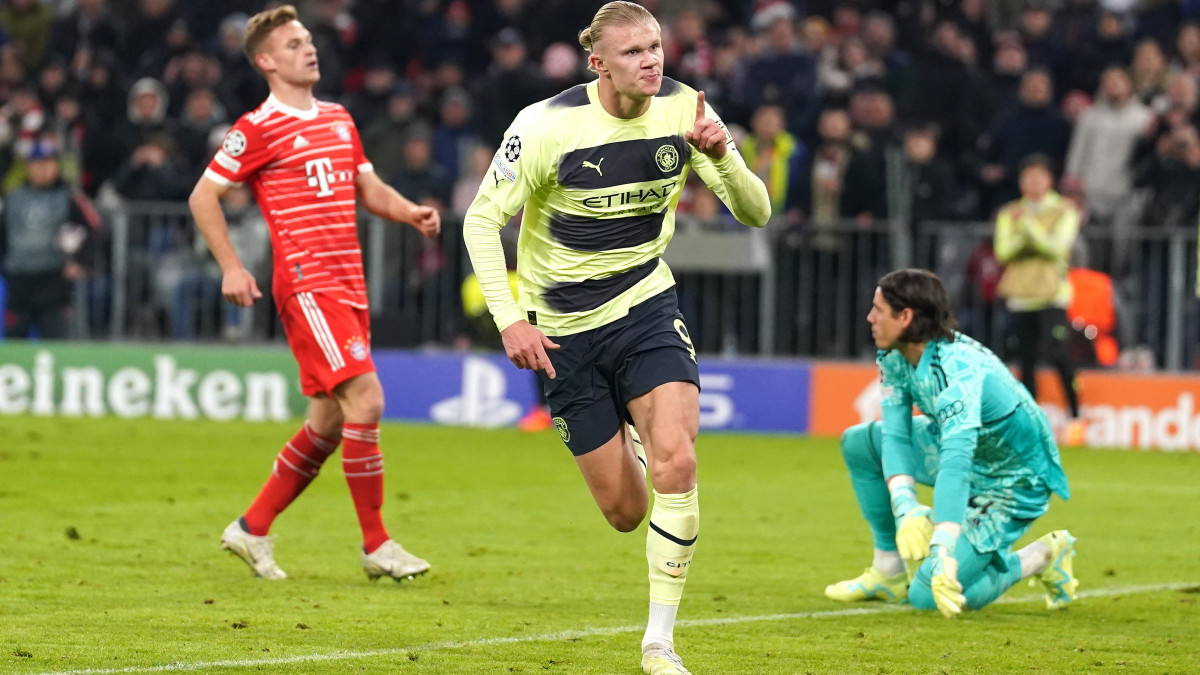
[(109, 563)]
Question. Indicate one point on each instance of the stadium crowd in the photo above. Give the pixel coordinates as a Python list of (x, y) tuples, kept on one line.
[(848, 109)]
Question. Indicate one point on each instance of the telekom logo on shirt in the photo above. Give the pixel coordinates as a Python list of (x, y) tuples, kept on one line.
[(320, 172)]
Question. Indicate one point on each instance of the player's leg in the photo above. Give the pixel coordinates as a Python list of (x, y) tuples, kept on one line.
[(298, 462), (1026, 338), (296, 465), (616, 481), (361, 401), (1049, 563), (862, 448), (669, 419)]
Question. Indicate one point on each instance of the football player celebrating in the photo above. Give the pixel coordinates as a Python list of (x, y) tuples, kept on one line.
[(598, 170)]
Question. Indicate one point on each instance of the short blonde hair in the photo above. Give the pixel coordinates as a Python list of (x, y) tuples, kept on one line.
[(618, 13), (260, 26)]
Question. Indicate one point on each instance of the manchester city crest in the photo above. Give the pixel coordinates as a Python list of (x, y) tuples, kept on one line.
[(667, 158)]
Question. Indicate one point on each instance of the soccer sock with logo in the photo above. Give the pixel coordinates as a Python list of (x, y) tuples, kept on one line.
[(670, 543), (295, 467), (362, 462)]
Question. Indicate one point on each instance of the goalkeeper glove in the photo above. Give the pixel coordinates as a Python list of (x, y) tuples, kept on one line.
[(947, 591), (914, 526)]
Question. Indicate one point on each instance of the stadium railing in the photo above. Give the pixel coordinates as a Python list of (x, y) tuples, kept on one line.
[(777, 291)]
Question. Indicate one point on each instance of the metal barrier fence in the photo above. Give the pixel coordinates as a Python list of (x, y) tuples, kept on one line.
[(748, 292)]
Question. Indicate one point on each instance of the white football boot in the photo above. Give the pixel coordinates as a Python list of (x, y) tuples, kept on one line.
[(391, 560), (659, 659), (258, 552)]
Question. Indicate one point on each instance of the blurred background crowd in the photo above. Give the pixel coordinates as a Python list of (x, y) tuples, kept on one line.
[(850, 110)]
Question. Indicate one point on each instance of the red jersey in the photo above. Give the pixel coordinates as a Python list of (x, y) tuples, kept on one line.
[(301, 166)]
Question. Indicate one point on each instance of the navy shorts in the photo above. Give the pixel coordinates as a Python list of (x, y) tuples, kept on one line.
[(600, 370)]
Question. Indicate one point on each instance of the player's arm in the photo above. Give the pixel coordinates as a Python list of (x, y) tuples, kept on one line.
[(1055, 242), (958, 412), (384, 201), (509, 182), (237, 283), (722, 168), (913, 525), (1010, 239)]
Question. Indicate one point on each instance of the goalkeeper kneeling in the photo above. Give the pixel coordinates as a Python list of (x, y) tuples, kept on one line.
[(984, 446)]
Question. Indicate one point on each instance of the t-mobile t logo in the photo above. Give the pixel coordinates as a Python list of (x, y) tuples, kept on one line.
[(319, 171)]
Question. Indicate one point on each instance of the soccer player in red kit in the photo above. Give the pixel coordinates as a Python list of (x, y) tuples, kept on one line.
[(303, 160)]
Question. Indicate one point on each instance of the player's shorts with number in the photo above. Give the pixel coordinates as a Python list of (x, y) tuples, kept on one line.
[(331, 340), (597, 372)]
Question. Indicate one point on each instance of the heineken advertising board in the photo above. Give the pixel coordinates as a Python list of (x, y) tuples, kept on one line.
[(165, 382)]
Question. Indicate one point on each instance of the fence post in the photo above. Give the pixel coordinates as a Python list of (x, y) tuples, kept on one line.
[(119, 272), (376, 255), (1176, 297), (766, 302)]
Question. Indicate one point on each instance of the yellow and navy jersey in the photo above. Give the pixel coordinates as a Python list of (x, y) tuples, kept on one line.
[(599, 196)]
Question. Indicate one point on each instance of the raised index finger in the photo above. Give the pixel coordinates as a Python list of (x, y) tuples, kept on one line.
[(699, 106)]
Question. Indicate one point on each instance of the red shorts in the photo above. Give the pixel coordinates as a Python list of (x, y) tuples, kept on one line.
[(330, 340)]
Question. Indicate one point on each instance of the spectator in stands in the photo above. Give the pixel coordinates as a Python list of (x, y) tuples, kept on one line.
[(28, 23), (240, 88), (1148, 71), (865, 187), (879, 36), (385, 138), (784, 73), (455, 136), (186, 73), (46, 233), (1032, 125), (21, 119), (145, 33), (1187, 49), (202, 112), (1075, 24), (849, 67), (689, 51), (920, 182), (1173, 171), (419, 177), (775, 156), (562, 68), (52, 81), (510, 83), (1034, 236), (84, 32), (1098, 162), (943, 78), (1043, 47), (369, 103), (1111, 46), (824, 181), (153, 173), (995, 90), (146, 116)]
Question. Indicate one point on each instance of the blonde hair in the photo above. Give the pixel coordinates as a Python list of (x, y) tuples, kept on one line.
[(617, 13), (260, 26)]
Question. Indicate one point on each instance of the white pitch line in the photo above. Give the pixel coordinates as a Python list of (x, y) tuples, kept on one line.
[(571, 635)]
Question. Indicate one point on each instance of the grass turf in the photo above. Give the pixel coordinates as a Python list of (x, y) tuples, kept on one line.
[(109, 563)]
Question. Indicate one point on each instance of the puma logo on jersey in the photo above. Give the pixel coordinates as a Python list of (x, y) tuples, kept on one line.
[(300, 142), (596, 166)]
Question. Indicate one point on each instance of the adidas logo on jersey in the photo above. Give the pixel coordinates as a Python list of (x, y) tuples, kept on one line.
[(300, 142)]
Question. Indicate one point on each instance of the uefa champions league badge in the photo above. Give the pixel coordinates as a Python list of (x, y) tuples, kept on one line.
[(357, 348), (342, 130)]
